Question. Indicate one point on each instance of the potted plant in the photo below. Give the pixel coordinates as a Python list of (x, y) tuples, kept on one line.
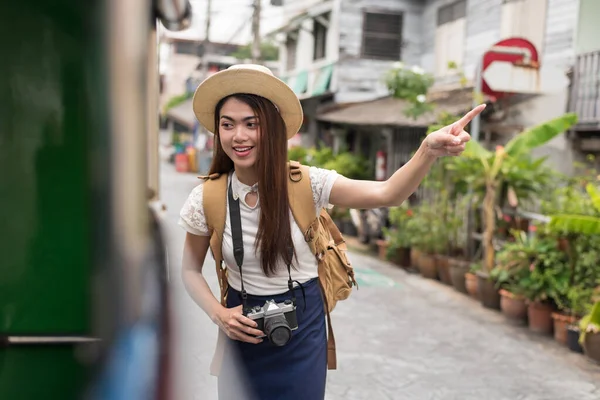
[(580, 303), (512, 268), (431, 241), (583, 223), (548, 276), (590, 333), (575, 299), (471, 282), (503, 171), (399, 235)]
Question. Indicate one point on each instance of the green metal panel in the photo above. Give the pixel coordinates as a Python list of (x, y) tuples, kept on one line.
[(301, 82), (323, 80), (40, 373), (48, 51)]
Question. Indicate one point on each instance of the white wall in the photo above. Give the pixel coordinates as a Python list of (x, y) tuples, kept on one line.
[(361, 79)]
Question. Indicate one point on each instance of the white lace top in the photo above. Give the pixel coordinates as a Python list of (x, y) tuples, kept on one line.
[(255, 282)]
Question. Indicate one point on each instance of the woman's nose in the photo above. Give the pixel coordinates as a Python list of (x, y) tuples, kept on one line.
[(240, 134)]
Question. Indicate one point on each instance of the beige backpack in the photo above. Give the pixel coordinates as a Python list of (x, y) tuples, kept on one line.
[(336, 275)]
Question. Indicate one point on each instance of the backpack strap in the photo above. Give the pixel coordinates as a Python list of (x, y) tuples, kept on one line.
[(301, 201), (303, 209), (214, 202)]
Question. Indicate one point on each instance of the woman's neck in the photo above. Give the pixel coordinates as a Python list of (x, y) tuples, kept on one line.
[(248, 176)]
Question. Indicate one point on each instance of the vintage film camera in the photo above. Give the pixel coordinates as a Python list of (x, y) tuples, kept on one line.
[(276, 320)]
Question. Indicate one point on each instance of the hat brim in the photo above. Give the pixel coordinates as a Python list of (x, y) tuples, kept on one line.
[(233, 81)]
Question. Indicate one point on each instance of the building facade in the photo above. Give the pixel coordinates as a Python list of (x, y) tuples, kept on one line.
[(336, 52)]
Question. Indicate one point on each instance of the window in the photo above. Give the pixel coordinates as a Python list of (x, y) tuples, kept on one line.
[(382, 36), (526, 19), (452, 12), (450, 36), (291, 45), (320, 39)]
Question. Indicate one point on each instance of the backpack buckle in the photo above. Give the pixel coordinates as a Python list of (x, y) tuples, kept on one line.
[(295, 175)]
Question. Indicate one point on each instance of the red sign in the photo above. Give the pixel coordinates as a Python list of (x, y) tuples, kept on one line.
[(490, 56)]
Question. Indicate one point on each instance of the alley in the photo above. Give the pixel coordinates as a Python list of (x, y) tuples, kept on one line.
[(399, 337)]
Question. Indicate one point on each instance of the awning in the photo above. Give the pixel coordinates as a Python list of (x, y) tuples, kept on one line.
[(301, 82), (388, 111), (323, 80)]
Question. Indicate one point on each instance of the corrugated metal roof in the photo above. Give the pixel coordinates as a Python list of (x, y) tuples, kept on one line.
[(183, 114), (388, 111)]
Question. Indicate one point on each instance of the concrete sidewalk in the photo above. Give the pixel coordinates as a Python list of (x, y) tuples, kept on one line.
[(399, 337)]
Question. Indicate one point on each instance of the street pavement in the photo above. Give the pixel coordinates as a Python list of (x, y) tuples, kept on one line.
[(398, 337)]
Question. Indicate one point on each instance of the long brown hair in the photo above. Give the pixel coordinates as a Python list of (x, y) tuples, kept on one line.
[(274, 236)]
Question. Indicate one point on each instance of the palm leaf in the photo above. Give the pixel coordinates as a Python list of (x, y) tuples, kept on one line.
[(540, 134), (582, 224), (594, 195)]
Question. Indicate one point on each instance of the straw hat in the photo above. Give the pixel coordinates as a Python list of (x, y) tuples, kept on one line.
[(250, 79)]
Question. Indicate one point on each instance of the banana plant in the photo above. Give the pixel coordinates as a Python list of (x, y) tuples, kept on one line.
[(495, 164), (582, 224)]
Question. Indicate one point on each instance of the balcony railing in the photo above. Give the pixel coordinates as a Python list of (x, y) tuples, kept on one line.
[(585, 90)]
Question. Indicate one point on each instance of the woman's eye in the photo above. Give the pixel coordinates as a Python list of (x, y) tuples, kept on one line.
[(252, 124)]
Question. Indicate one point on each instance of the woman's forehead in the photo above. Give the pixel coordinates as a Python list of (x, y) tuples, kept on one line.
[(234, 104)]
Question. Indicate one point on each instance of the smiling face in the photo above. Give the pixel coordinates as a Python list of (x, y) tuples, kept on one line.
[(239, 133)]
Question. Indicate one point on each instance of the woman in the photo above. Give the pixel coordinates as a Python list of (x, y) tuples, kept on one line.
[(252, 114)]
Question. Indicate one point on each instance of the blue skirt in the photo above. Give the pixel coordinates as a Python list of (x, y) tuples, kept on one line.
[(295, 371)]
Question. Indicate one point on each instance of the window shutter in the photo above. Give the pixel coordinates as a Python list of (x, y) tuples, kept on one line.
[(382, 36)]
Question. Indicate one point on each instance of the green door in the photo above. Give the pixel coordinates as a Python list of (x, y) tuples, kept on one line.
[(47, 68)]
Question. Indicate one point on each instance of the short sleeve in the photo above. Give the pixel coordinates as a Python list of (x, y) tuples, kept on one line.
[(321, 181), (191, 216)]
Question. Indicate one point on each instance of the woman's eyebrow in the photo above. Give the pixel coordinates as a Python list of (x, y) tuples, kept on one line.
[(243, 119)]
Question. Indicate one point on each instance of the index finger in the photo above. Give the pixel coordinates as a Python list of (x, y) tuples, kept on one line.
[(245, 320), (464, 121)]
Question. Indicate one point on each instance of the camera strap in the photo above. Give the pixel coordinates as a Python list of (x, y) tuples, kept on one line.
[(238, 249)]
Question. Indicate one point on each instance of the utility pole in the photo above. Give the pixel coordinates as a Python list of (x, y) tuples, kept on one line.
[(207, 28), (256, 32), (206, 42)]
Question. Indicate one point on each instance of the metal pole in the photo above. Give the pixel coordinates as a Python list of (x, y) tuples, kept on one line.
[(476, 99), (207, 27), (475, 137), (206, 42), (256, 32)]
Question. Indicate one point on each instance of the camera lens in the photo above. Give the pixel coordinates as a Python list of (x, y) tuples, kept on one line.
[(278, 331)]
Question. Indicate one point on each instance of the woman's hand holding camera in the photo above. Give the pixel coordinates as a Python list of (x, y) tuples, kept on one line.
[(236, 326)]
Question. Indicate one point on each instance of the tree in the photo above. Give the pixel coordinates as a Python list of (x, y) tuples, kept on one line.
[(268, 52)]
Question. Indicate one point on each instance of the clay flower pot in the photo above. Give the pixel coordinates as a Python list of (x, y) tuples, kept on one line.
[(540, 317), (382, 246), (472, 285), (561, 322), (591, 346), (458, 269), (513, 306), (443, 269), (415, 258), (488, 294), (427, 266)]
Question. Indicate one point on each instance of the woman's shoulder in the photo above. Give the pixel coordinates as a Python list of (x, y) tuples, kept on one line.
[(191, 215), (321, 182)]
